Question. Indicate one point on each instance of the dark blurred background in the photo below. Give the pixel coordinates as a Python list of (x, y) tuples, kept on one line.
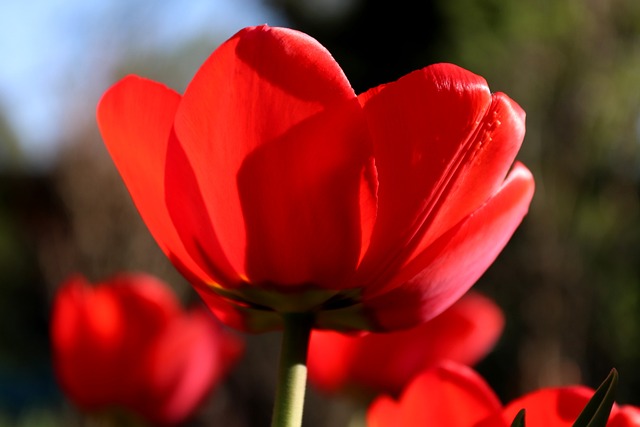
[(569, 281)]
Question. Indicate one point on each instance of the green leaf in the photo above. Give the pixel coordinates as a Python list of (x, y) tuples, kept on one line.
[(518, 421), (596, 413)]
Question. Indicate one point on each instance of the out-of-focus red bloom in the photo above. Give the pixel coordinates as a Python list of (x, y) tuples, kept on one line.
[(560, 406), (386, 362), (274, 188), (454, 395), (127, 343), (450, 395)]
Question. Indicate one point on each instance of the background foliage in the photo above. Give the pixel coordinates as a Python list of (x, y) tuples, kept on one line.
[(569, 280)]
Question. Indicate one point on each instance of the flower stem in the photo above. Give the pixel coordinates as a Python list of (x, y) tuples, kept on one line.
[(292, 373)]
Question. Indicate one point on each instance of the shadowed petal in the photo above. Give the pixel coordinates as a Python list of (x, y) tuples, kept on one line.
[(239, 315), (300, 197)]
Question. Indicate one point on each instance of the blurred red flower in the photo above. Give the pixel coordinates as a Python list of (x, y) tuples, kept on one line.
[(275, 189), (378, 363), (127, 343), (560, 406), (454, 395)]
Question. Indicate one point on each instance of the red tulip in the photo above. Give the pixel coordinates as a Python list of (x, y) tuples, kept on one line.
[(448, 395), (386, 362), (560, 407), (453, 395), (127, 343), (275, 189), (625, 416)]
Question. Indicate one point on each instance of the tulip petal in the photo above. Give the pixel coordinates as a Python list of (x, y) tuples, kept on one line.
[(386, 362), (625, 416), (443, 146), (188, 359), (239, 315), (278, 145), (450, 395), (493, 148), (127, 344), (550, 407), (74, 331), (331, 359), (135, 117), (451, 265), (464, 333), (110, 327)]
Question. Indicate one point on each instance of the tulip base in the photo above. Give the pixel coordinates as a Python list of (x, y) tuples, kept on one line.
[(292, 372)]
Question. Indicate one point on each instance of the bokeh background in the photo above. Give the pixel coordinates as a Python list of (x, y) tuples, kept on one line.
[(569, 281)]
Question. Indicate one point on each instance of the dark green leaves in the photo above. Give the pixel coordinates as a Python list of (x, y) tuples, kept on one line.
[(596, 413), (518, 421)]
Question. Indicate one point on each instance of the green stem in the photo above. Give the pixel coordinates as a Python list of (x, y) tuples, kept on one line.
[(292, 373)]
